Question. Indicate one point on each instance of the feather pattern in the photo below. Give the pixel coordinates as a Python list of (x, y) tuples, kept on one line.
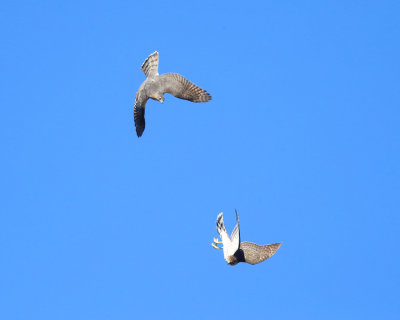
[(182, 88), (150, 65), (228, 246), (235, 235), (155, 86), (138, 112), (252, 253)]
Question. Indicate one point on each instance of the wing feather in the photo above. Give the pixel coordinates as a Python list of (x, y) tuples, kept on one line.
[(252, 253), (235, 236), (138, 112), (182, 88)]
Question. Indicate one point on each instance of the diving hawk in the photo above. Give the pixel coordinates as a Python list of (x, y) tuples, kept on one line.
[(236, 251)]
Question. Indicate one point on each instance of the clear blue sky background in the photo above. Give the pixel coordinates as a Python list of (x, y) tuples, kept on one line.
[(302, 137)]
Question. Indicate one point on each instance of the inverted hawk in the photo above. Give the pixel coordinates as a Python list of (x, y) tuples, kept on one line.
[(236, 251)]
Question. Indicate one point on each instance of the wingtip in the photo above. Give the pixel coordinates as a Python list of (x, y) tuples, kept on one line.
[(139, 134), (276, 246), (237, 216)]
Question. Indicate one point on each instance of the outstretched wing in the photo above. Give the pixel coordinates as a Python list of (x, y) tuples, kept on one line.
[(138, 111), (252, 253), (150, 65), (182, 88), (235, 236)]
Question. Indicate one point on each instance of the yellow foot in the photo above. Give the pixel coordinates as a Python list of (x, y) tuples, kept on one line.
[(215, 246), (216, 240)]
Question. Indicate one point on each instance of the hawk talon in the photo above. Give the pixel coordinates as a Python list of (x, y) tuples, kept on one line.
[(217, 241), (215, 246)]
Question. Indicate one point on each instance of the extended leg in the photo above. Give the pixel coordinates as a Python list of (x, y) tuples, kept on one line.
[(216, 240), (215, 246)]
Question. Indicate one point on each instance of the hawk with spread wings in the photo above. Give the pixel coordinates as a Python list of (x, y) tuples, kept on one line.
[(236, 251), (155, 86)]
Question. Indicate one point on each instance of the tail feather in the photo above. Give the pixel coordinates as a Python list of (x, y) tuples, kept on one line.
[(150, 65), (220, 224)]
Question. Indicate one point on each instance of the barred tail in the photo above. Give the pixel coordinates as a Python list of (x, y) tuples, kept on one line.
[(150, 65), (220, 224)]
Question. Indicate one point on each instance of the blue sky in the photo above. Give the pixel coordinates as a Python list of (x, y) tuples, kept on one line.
[(302, 137)]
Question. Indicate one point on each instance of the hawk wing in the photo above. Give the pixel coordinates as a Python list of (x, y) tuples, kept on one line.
[(252, 253), (138, 111), (235, 236), (150, 65), (182, 88)]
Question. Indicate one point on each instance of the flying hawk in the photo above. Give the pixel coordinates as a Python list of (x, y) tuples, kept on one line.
[(236, 251), (155, 86)]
